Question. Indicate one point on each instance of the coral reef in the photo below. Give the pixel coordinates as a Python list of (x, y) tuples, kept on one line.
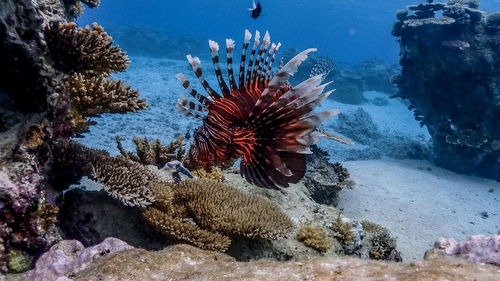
[(358, 126), (185, 262), (84, 50), (125, 180), (379, 243), (477, 248), (314, 237), (206, 213), (90, 216), (215, 174), (349, 87), (450, 75), (94, 95), (323, 179), (374, 142), (70, 256), (343, 231), (42, 52), (154, 153)]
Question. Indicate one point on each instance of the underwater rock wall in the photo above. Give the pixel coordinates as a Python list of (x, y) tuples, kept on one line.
[(54, 76), (451, 77)]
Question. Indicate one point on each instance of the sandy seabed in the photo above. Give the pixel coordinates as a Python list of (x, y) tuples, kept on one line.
[(416, 200)]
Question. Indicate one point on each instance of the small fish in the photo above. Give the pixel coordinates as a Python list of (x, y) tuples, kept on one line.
[(323, 65), (456, 44), (256, 10)]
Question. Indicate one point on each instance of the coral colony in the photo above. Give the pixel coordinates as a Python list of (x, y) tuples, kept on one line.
[(450, 75), (60, 77)]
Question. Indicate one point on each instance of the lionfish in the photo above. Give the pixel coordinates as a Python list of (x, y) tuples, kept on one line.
[(262, 118)]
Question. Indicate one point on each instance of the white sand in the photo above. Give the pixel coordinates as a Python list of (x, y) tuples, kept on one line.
[(420, 202)]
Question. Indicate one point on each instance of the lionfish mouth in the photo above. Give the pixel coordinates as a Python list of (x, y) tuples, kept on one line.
[(262, 118)]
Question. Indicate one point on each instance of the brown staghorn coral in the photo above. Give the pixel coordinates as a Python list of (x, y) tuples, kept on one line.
[(93, 95), (186, 231), (206, 213), (314, 237), (84, 49), (125, 180), (154, 153), (220, 207), (343, 231)]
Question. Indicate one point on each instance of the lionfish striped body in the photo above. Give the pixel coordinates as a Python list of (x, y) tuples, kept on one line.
[(262, 119)]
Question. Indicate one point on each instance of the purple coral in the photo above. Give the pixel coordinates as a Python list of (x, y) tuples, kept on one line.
[(71, 256), (478, 248), (20, 185)]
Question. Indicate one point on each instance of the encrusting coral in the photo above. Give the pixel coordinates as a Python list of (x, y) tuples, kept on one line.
[(314, 237), (154, 153), (215, 174), (84, 50), (343, 231), (207, 213)]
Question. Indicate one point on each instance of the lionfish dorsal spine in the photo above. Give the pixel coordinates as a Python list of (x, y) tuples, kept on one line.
[(182, 78), (196, 66), (269, 73), (241, 75), (256, 41), (214, 51), (258, 61), (265, 64), (230, 73)]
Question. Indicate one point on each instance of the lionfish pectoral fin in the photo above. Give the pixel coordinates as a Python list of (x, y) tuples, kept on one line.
[(289, 69), (338, 138)]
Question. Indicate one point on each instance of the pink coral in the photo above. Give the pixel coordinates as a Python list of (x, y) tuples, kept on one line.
[(71, 256), (478, 248)]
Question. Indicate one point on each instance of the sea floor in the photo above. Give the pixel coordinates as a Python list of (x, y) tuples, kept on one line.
[(417, 201)]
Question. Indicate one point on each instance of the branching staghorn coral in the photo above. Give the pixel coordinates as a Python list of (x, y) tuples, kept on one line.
[(206, 213), (84, 50), (93, 95), (154, 153), (314, 237), (343, 231)]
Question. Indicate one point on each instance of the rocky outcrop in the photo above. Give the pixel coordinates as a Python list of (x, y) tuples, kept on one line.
[(451, 77), (184, 262)]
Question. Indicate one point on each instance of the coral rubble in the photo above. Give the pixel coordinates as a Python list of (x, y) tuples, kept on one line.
[(451, 77)]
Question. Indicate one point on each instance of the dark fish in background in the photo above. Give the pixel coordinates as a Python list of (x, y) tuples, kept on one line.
[(256, 10), (324, 66)]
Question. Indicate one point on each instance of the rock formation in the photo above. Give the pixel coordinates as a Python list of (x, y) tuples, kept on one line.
[(451, 77)]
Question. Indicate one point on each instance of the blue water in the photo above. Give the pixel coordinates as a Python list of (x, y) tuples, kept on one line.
[(347, 31)]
